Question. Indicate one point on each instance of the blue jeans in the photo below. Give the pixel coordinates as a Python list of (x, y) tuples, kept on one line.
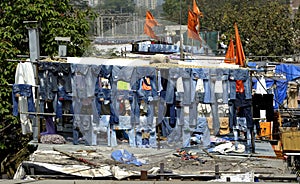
[(239, 74), (141, 72), (204, 74), (48, 82), (244, 106), (63, 100), (84, 79), (24, 90), (62, 76), (131, 97), (150, 106), (166, 129), (106, 72), (174, 74), (102, 95), (119, 73), (46, 90), (193, 113), (222, 75), (202, 128), (135, 109), (162, 108), (192, 107), (209, 77)]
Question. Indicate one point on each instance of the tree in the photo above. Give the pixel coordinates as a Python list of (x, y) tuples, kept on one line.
[(56, 18), (296, 26), (175, 11), (265, 27)]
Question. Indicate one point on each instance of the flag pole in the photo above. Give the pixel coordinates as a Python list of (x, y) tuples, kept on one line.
[(192, 47), (180, 34)]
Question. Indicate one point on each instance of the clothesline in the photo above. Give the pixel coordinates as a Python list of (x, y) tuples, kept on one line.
[(49, 114), (30, 84)]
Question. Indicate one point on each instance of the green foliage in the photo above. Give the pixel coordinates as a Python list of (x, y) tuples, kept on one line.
[(266, 27), (174, 10), (55, 18), (296, 26)]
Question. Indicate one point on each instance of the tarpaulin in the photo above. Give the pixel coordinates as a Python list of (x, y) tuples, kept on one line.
[(290, 71), (279, 91)]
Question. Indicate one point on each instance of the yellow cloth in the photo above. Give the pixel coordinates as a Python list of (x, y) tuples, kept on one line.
[(121, 85), (145, 135)]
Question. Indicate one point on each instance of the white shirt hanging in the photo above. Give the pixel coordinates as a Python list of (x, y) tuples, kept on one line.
[(261, 87)]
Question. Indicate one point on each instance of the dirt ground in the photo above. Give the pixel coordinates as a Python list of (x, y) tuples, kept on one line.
[(205, 164)]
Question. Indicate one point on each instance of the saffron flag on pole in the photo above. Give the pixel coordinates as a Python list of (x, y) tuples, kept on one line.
[(196, 9), (148, 31), (240, 56), (239, 59), (229, 57), (150, 22), (197, 12), (192, 23)]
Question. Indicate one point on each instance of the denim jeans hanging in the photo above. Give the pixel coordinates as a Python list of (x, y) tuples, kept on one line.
[(22, 90)]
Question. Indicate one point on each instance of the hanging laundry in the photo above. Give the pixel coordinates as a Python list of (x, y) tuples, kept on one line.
[(261, 86), (25, 75), (292, 92)]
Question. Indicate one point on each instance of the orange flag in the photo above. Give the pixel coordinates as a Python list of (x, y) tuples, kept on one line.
[(240, 58), (150, 22), (196, 9), (148, 31), (197, 12), (229, 57), (192, 23)]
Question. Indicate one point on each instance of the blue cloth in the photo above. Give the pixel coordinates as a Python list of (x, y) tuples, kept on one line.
[(252, 64), (119, 73), (166, 129), (202, 73), (239, 74), (139, 73), (24, 90), (162, 110), (125, 157), (62, 98), (279, 92), (174, 75), (290, 71), (163, 48)]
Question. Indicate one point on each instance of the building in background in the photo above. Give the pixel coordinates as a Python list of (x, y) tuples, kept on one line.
[(94, 3), (149, 4)]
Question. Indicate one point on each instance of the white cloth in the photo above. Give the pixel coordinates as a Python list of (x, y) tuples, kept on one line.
[(179, 85), (25, 75), (261, 86)]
